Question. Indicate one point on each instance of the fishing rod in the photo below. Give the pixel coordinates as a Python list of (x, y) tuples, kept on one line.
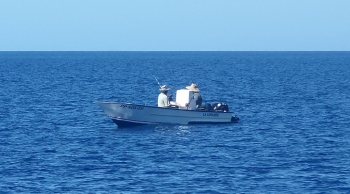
[(157, 81)]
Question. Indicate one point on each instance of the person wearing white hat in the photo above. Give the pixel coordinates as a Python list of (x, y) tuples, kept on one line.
[(162, 97), (196, 95)]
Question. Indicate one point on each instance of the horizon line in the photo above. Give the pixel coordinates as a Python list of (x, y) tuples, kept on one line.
[(175, 51)]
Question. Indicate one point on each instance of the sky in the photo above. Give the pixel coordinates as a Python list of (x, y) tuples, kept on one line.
[(174, 25)]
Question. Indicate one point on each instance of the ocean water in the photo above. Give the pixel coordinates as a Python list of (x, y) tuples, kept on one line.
[(293, 135)]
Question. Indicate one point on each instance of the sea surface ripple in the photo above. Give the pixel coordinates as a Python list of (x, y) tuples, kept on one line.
[(293, 135)]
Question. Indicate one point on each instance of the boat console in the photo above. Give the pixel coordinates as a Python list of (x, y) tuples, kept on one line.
[(184, 99)]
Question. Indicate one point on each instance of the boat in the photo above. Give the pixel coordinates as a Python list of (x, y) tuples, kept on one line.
[(183, 111)]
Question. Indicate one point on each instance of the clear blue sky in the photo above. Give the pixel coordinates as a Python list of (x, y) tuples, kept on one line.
[(174, 25)]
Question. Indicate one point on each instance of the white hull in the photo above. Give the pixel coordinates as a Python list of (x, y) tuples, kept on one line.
[(126, 114)]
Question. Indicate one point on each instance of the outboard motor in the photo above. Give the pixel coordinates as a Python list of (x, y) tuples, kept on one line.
[(220, 107)]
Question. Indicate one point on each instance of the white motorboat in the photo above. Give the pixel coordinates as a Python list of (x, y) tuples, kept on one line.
[(183, 111)]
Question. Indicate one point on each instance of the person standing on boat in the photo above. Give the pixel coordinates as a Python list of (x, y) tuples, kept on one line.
[(196, 95), (162, 97)]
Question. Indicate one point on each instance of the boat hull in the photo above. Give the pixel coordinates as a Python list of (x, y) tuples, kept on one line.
[(130, 115)]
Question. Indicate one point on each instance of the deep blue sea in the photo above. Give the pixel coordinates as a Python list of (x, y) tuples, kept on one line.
[(293, 135)]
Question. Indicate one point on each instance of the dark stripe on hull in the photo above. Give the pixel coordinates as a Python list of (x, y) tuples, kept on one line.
[(123, 123), (234, 119), (126, 123)]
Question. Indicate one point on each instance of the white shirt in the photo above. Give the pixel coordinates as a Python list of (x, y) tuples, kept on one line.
[(163, 100)]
